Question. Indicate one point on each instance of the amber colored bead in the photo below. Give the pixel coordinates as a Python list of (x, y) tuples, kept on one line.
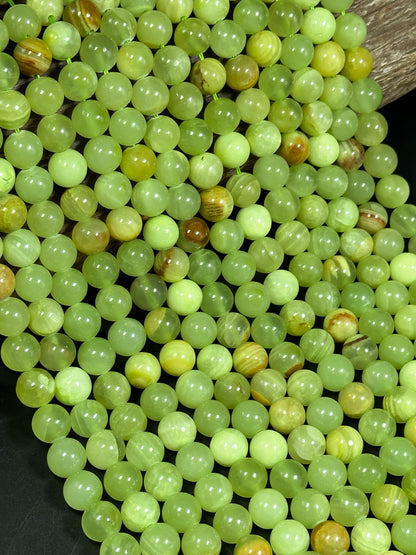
[(358, 63), (6, 281), (216, 203), (249, 358), (351, 155), (341, 324), (294, 147), (195, 231), (371, 219), (252, 545), (33, 56), (330, 538), (242, 72), (84, 16)]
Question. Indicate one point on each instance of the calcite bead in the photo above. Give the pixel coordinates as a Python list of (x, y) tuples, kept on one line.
[(33, 56), (341, 324), (193, 234), (242, 72), (249, 358), (84, 16), (330, 538), (252, 545), (7, 281), (294, 147), (351, 155), (216, 204)]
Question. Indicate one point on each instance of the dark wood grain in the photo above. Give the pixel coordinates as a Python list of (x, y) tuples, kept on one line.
[(391, 40)]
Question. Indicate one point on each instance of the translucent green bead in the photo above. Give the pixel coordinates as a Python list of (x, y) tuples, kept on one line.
[(87, 417), (322, 297), (194, 388), (268, 330), (14, 109), (366, 472), (171, 64), (160, 534), (114, 90), (389, 503), (101, 520), (67, 168), (120, 541), (268, 447), (289, 535), (33, 185), (366, 95), (377, 426), (82, 489), (316, 344), (144, 449), (21, 248), (57, 351), (350, 30), (78, 81), (348, 505), (63, 39), (56, 132), (100, 269), (23, 149), (211, 417), (403, 533), (213, 491), (121, 479), (22, 21), (227, 38), (238, 267), (369, 534), (201, 536), (305, 443), (226, 236), (327, 474), (285, 19), (20, 352), (154, 28), (82, 321), (98, 51), (182, 511), (119, 24), (72, 385), (232, 522), (104, 449), (249, 417), (15, 316), (288, 477), (51, 422), (9, 72), (163, 480), (176, 429), (66, 456), (217, 299), (194, 461), (33, 282), (252, 299), (247, 476), (192, 35), (310, 507)]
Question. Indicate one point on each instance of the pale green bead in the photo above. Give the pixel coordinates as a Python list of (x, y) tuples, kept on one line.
[(370, 536), (176, 429)]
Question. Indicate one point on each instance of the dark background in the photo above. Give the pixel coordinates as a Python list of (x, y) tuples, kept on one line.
[(34, 517)]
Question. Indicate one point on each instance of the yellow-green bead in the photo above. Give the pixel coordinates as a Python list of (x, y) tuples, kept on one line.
[(345, 443), (177, 357), (14, 109), (142, 369)]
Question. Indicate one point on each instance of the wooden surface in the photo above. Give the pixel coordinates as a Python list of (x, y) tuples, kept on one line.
[(391, 39)]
